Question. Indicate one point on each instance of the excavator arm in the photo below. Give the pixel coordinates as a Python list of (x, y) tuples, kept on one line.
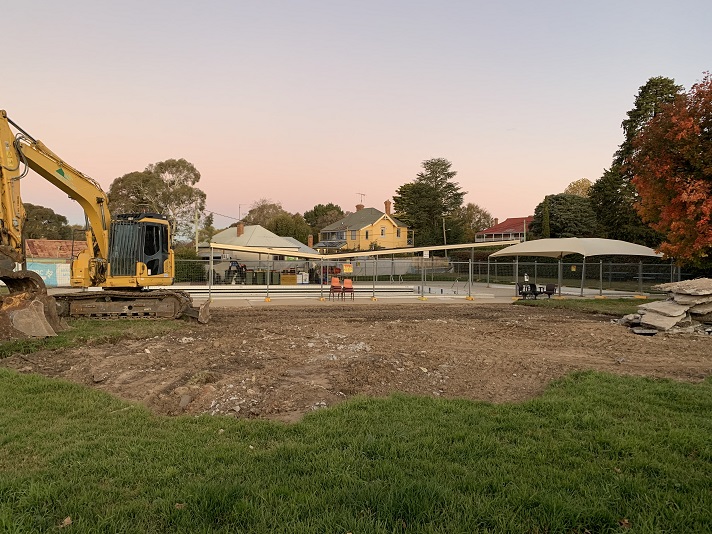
[(22, 149)]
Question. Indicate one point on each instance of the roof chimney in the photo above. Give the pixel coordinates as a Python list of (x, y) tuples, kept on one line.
[(359, 207), (496, 221), (387, 203), (310, 241), (240, 228)]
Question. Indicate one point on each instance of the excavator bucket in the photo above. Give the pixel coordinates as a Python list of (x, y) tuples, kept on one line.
[(200, 313), (27, 311)]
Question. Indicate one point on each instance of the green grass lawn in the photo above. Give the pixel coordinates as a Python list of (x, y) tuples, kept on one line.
[(596, 453), (618, 307), (92, 331)]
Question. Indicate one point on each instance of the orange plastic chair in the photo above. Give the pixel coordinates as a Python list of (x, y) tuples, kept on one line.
[(335, 289), (348, 288)]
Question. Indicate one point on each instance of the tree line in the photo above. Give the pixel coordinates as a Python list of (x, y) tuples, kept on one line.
[(656, 191)]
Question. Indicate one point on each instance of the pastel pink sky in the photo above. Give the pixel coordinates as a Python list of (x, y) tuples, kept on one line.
[(313, 102)]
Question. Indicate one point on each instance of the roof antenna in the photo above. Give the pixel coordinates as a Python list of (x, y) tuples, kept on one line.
[(362, 196)]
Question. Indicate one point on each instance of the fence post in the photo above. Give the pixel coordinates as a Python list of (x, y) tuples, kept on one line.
[(422, 278), (375, 274), (270, 266), (561, 275), (600, 278), (210, 274), (321, 279), (640, 276), (469, 281)]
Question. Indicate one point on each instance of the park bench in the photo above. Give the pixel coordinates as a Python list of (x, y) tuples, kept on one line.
[(527, 290)]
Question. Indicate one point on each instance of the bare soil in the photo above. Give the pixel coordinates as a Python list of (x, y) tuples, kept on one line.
[(283, 361)]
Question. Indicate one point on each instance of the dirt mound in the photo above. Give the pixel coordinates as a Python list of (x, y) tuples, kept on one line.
[(283, 361)]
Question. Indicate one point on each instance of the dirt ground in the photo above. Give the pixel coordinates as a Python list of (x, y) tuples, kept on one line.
[(283, 361)]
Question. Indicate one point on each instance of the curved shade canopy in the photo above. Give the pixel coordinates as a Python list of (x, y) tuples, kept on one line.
[(586, 246)]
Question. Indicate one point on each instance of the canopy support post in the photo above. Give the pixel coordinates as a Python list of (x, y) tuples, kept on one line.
[(600, 278), (583, 273)]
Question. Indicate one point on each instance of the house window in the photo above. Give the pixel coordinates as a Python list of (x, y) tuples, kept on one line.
[(366, 234), (383, 231), (397, 232), (353, 235)]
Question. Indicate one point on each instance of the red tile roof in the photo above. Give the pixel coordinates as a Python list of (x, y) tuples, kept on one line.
[(53, 248), (512, 225)]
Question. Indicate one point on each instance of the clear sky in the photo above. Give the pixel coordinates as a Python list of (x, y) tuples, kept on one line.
[(306, 102)]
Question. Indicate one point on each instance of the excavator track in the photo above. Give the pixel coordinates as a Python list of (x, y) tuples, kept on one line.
[(123, 304)]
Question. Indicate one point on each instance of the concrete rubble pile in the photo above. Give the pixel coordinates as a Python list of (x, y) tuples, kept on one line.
[(688, 308)]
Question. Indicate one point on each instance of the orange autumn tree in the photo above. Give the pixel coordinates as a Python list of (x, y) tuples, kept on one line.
[(672, 172)]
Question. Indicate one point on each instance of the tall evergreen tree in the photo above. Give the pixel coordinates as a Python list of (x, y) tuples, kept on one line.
[(613, 196), (425, 202), (569, 216)]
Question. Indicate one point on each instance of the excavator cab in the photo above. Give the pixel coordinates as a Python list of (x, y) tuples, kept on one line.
[(139, 246), (139, 255)]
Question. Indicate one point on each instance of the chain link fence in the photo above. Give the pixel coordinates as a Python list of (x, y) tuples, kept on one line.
[(593, 274)]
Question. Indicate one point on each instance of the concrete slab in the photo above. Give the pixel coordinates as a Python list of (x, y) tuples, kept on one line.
[(664, 307), (698, 286), (661, 322)]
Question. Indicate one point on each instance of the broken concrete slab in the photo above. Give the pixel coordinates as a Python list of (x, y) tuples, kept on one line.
[(659, 321), (702, 309), (632, 319), (664, 307), (698, 286), (639, 330), (692, 300)]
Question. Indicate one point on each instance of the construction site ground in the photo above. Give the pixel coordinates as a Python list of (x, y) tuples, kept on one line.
[(279, 361)]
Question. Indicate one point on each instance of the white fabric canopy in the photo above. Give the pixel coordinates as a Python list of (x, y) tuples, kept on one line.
[(586, 246)]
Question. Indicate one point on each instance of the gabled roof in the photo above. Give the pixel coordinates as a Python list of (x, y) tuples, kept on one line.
[(301, 247), (253, 236), (360, 219), (335, 244), (512, 225), (53, 248)]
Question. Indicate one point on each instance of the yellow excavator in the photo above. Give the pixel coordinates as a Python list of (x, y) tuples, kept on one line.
[(125, 256)]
